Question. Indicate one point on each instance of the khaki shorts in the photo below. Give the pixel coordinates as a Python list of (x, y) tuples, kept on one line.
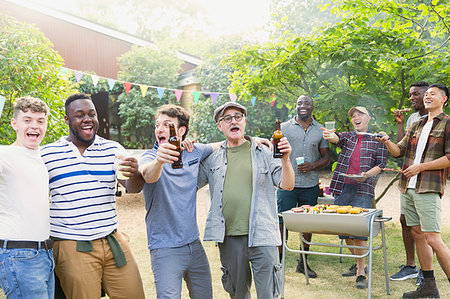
[(422, 209)]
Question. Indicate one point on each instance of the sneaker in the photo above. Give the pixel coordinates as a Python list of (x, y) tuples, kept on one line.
[(352, 271), (427, 289), (361, 282), (419, 279), (406, 272), (301, 269)]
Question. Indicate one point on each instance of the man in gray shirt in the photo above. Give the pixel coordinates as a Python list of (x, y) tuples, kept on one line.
[(306, 139)]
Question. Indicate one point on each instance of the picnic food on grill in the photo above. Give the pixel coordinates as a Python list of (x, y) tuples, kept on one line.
[(326, 208)]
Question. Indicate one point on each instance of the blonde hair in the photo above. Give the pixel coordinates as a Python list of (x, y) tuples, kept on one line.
[(29, 103)]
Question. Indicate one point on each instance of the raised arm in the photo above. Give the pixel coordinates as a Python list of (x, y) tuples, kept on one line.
[(151, 172), (287, 172)]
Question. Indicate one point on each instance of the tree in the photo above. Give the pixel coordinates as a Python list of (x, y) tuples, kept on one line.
[(154, 67), (299, 17), (30, 66), (368, 58), (214, 77)]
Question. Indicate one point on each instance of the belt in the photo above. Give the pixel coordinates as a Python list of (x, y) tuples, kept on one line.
[(47, 244)]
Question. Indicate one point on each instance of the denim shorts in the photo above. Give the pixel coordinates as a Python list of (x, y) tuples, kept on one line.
[(27, 273)]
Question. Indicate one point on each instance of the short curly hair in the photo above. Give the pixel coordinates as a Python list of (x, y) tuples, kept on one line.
[(29, 103), (179, 112)]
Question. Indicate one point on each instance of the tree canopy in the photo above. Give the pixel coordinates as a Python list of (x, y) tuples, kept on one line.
[(30, 66), (367, 58)]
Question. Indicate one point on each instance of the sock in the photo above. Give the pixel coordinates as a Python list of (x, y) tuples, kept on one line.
[(428, 274)]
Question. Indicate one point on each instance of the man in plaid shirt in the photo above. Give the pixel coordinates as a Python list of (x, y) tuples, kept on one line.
[(426, 148), (364, 156)]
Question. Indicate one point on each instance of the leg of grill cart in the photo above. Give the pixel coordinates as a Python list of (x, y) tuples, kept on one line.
[(340, 250), (283, 261), (383, 241), (369, 287)]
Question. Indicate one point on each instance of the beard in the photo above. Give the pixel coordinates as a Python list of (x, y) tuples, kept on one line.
[(78, 136)]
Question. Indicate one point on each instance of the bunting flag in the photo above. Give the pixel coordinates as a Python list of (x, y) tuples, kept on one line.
[(196, 96), (143, 90), (213, 96), (111, 83), (94, 80), (160, 92), (64, 71), (78, 76), (2, 103), (178, 93), (127, 86)]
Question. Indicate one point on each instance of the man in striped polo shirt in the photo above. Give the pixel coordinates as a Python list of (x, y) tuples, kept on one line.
[(89, 251)]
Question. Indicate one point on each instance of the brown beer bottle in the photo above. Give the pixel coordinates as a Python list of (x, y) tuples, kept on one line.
[(175, 140), (277, 135)]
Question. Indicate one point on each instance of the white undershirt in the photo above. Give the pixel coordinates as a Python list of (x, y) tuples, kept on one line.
[(423, 138)]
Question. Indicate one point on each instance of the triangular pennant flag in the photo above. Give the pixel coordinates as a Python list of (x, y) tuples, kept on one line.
[(253, 101), (272, 102), (196, 95), (178, 93), (143, 90), (160, 92), (78, 76), (94, 80), (213, 96), (127, 86), (2, 103), (64, 70), (233, 97), (111, 83)]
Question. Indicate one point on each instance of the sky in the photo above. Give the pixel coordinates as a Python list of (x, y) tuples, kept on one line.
[(227, 16)]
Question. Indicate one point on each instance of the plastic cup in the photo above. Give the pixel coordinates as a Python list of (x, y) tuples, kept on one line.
[(300, 160), (329, 125), (117, 161)]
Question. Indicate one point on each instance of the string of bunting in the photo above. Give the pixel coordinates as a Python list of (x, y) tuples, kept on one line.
[(160, 90)]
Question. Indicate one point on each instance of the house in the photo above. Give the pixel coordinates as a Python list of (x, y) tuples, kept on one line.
[(88, 46)]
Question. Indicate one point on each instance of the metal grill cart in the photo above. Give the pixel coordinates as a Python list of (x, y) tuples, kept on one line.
[(366, 224)]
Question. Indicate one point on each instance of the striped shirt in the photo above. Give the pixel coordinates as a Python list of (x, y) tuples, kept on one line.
[(82, 189), (438, 145), (373, 153)]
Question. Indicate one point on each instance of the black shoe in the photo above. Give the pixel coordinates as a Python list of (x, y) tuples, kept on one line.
[(361, 282), (352, 271), (301, 269), (427, 289)]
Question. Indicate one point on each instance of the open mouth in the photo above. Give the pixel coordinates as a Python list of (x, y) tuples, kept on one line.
[(235, 129), (33, 135), (161, 139), (87, 129), (357, 123)]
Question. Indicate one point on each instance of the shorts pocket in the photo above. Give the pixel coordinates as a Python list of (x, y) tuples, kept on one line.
[(277, 280), (3, 281), (227, 282)]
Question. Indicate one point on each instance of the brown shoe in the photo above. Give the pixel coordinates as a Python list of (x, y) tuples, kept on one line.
[(427, 289)]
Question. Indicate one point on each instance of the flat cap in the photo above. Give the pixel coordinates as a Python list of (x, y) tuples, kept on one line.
[(358, 108), (218, 113)]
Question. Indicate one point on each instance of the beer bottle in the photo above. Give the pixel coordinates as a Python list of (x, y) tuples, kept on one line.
[(277, 135), (175, 140)]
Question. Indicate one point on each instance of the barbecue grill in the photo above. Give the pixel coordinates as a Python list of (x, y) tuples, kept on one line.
[(366, 224)]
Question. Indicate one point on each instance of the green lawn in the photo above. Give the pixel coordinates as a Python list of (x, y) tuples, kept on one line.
[(328, 284)]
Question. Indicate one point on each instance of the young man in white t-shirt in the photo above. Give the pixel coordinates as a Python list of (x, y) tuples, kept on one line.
[(26, 255)]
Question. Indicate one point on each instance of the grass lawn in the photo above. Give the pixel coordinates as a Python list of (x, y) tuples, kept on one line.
[(328, 284)]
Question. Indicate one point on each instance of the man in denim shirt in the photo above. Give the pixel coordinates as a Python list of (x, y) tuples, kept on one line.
[(243, 215)]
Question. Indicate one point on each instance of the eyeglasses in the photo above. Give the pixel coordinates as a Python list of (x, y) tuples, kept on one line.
[(237, 117)]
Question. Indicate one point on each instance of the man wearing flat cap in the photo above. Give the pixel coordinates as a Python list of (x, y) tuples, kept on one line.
[(243, 214), (362, 157)]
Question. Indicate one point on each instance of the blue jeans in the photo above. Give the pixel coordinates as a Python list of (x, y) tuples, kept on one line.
[(171, 265), (27, 273)]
